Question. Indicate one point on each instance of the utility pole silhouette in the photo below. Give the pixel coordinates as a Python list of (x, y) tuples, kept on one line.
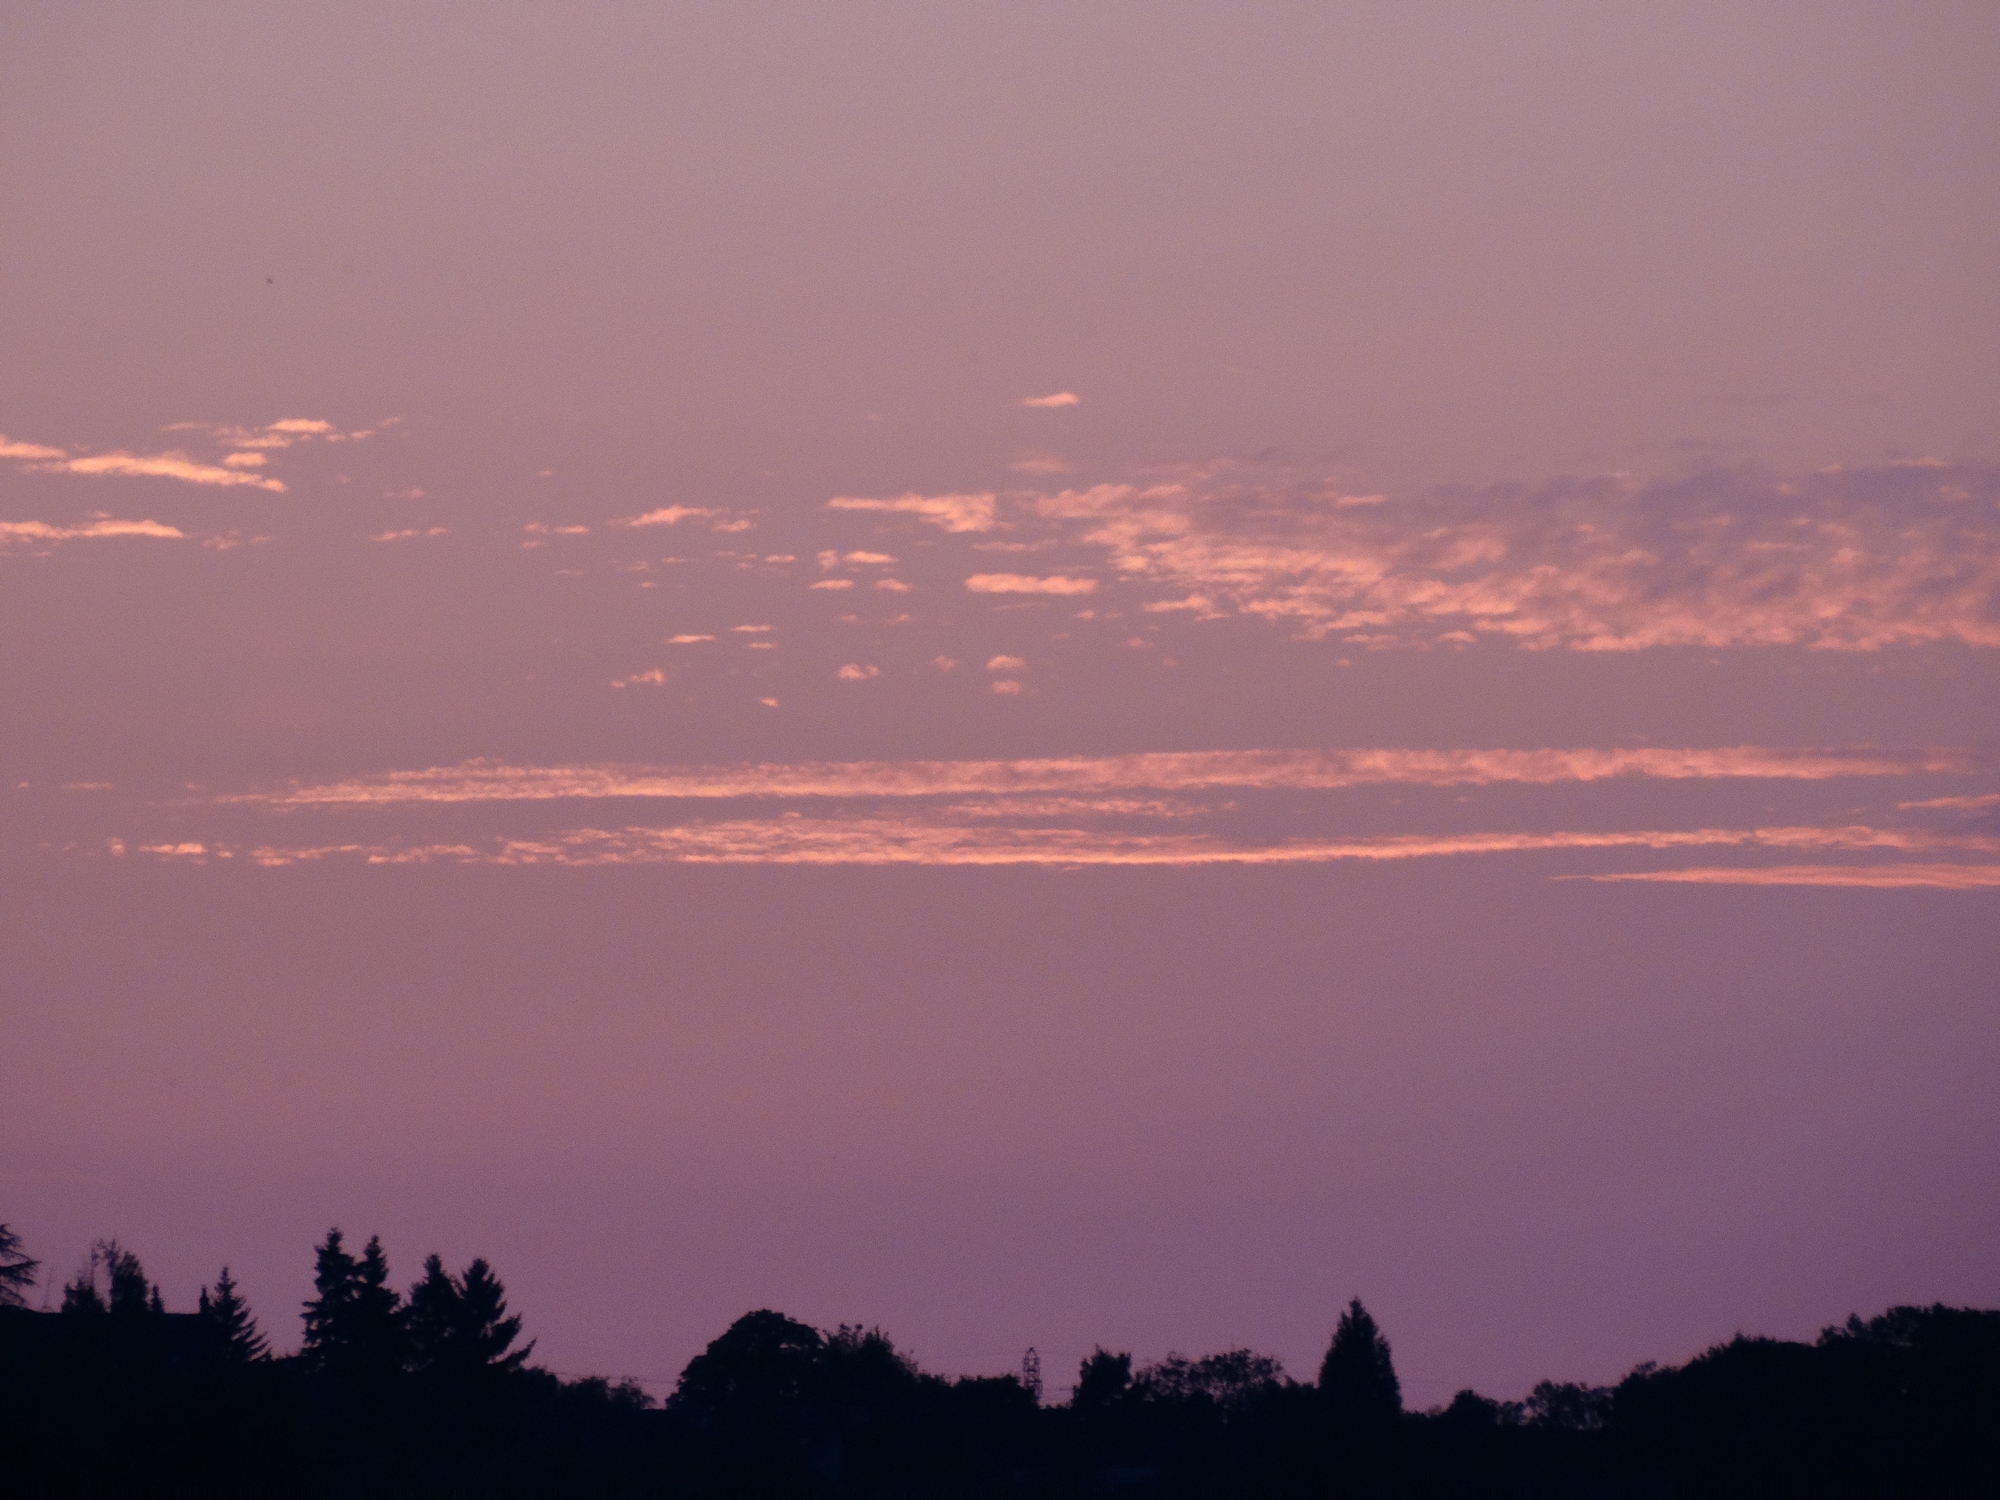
[(1031, 1373)]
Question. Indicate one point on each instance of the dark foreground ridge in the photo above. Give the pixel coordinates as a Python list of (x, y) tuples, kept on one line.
[(430, 1393)]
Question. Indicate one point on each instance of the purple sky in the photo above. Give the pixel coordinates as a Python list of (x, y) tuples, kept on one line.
[(1054, 675)]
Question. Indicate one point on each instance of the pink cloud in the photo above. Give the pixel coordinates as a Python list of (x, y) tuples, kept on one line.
[(1845, 560), (954, 513), (1018, 583), (1171, 771), (1050, 403)]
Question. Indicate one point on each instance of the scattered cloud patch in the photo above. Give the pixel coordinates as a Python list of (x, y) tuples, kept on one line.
[(30, 534), (1052, 402), (1006, 664), (656, 677), (1845, 559), (403, 536), (956, 513), (687, 640), (833, 583), (853, 673), (668, 515), (1020, 583), (1007, 687)]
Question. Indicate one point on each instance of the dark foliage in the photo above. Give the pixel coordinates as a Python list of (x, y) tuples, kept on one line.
[(431, 1395)]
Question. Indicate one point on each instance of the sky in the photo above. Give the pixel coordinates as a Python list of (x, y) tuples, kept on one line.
[(1068, 675)]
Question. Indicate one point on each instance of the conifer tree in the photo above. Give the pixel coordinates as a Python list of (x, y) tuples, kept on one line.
[(327, 1314), (458, 1324), (1361, 1399), (17, 1270), (354, 1323), (232, 1331)]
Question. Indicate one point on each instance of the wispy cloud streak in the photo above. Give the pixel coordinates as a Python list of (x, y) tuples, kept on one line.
[(892, 841), (1857, 877), (482, 781)]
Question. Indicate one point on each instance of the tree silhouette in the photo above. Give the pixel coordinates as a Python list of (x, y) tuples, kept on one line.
[(231, 1330), (131, 1295), (1102, 1381), (353, 1324), (17, 1270), (459, 1324), (762, 1359), (1361, 1400)]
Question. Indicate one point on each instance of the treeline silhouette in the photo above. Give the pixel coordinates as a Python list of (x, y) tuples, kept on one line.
[(429, 1393)]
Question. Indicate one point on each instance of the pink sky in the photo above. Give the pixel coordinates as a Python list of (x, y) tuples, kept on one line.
[(1077, 675)]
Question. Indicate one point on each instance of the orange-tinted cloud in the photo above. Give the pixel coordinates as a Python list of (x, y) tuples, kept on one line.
[(952, 512), (1848, 559), (927, 841), (1017, 583), (1172, 771), (38, 533)]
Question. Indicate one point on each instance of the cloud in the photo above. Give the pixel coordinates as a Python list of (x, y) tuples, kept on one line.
[(656, 677), (1007, 688), (667, 515), (1006, 664), (853, 673), (11, 449), (832, 583), (1854, 877), (906, 840), (31, 533), (952, 512), (1853, 559), (402, 536), (750, 629), (1960, 804), (687, 640), (1165, 771), (1060, 398), (162, 466), (892, 586), (868, 559), (1019, 583)]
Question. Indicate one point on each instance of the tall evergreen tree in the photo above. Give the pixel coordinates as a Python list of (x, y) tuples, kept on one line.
[(327, 1313), (232, 1331), (458, 1324), (354, 1324), (1361, 1401), (17, 1270)]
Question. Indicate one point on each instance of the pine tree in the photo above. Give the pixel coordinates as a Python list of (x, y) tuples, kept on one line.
[(1361, 1399), (17, 1270), (354, 1323), (459, 1324), (232, 1331), (327, 1314)]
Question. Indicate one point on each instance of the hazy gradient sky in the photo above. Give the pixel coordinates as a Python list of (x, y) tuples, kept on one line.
[(1058, 675)]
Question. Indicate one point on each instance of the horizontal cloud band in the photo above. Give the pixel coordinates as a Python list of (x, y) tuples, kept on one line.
[(1322, 770), (888, 841)]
